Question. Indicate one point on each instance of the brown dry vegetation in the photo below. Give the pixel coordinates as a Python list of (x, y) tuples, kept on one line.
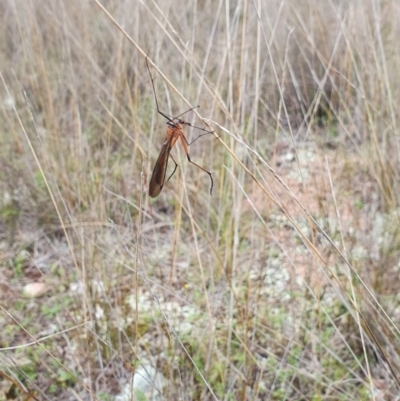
[(282, 285)]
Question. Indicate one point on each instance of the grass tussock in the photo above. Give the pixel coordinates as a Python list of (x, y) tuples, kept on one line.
[(282, 285)]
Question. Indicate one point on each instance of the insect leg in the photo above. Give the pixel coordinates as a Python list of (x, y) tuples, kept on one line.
[(194, 140), (176, 166), (201, 168), (185, 147), (154, 90)]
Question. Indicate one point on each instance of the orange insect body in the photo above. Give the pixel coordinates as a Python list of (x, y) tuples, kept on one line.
[(174, 132)]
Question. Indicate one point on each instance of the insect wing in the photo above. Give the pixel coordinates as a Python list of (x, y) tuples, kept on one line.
[(159, 171)]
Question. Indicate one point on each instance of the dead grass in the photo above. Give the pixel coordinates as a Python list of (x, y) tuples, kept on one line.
[(280, 286)]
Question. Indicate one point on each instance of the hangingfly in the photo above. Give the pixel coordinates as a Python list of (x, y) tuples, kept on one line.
[(174, 133)]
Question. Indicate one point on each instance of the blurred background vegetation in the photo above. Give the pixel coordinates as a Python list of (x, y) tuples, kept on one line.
[(282, 285)]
